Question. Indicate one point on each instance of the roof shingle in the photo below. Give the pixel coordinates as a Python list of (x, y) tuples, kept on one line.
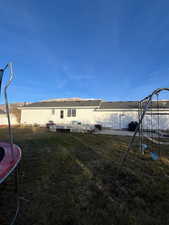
[(65, 104), (132, 105), (119, 105), (96, 103)]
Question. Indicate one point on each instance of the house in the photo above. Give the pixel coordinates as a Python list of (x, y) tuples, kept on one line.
[(4, 120), (116, 115)]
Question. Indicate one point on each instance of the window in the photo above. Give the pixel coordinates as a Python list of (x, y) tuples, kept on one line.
[(61, 114), (71, 112), (53, 111), (74, 112)]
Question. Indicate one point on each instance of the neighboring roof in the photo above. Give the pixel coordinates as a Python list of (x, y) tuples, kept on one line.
[(65, 104), (2, 112), (68, 99)]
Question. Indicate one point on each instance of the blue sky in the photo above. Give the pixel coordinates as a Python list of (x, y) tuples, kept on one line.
[(109, 49)]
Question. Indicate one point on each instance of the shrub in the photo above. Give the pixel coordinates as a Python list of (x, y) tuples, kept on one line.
[(17, 113), (132, 125), (98, 126)]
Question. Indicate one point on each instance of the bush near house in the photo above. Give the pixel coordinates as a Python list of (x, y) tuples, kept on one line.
[(98, 126), (17, 113), (132, 125)]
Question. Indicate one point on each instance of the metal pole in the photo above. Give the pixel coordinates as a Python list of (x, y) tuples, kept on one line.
[(7, 108), (139, 113), (134, 135)]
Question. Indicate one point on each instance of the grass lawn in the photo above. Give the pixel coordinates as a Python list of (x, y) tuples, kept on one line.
[(71, 179)]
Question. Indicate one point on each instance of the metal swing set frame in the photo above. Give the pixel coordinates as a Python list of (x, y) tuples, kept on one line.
[(144, 106)]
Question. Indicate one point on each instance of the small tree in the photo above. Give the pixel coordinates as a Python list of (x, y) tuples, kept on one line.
[(132, 125), (17, 113)]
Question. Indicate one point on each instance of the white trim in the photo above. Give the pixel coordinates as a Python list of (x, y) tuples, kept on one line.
[(119, 110)]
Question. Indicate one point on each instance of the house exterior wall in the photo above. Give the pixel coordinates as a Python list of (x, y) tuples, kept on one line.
[(114, 119), (42, 116), (156, 122), (35, 116)]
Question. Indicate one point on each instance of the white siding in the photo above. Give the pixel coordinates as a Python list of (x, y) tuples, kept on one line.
[(39, 116), (155, 122), (116, 119), (113, 119), (42, 116)]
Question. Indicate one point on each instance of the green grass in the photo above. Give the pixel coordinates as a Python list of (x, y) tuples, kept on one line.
[(71, 179)]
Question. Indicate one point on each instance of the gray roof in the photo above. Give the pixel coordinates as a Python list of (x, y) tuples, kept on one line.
[(96, 103), (119, 105), (88, 103), (132, 105)]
